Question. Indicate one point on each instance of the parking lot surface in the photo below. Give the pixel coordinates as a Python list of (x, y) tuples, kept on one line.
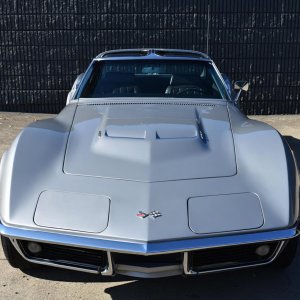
[(50, 283)]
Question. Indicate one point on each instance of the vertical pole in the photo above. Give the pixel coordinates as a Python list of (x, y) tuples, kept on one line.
[(207, 32)]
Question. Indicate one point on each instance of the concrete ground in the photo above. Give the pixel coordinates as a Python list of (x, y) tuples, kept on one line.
[(49, 283)]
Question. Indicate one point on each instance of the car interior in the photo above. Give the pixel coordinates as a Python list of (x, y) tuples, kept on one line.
[(159, 80)]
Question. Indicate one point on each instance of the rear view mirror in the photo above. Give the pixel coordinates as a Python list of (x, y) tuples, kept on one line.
[(240, 86)]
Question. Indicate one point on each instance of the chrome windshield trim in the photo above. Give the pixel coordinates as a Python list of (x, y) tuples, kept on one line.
[(150, 248)]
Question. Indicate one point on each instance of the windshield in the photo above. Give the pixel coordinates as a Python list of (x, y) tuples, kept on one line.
[(153, 78)]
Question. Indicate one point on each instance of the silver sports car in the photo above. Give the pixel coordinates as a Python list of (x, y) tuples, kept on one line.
[(150, 170)]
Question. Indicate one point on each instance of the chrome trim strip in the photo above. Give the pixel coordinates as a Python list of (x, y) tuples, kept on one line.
[(149, 51), (150, 248), (149, 272), (188, 271), (109, 270)]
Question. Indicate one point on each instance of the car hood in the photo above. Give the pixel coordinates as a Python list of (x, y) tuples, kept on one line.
[(151, 142)]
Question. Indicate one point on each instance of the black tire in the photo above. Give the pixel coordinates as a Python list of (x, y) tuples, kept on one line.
[(287, 255), (12, 255)]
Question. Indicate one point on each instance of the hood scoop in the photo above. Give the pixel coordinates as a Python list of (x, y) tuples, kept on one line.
[(152, 131), (151, 143)]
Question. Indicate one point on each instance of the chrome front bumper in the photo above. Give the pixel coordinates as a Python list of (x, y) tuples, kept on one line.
[(144, 248)]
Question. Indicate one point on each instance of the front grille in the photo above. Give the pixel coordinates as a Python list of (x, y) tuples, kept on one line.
[(96, 261), (211, 259), (68, 256), (148, 261)]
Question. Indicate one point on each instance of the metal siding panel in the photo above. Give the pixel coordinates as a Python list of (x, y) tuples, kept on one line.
[(45, 44)]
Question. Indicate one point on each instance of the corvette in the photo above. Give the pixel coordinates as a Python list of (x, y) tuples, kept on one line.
[(151, 170)]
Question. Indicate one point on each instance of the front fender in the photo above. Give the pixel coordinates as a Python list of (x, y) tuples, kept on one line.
[(31, 162), (268, 165)]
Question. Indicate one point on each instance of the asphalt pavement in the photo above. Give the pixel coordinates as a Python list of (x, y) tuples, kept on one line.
[(50, 283)]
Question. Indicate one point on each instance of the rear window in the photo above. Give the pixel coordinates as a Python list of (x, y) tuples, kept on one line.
[(153, 78)]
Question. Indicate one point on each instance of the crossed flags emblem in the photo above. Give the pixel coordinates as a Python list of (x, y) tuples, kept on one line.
[(154, 214)]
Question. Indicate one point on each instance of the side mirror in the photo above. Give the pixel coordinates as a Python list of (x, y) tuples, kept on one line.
[(240, 86), (74, 88)]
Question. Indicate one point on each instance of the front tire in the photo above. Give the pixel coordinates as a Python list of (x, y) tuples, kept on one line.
[(12, 255)]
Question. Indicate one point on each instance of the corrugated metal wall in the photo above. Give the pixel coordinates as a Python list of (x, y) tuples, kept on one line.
[(44, 44)]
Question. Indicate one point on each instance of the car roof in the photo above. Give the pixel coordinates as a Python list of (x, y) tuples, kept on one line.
[(152, 53)]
